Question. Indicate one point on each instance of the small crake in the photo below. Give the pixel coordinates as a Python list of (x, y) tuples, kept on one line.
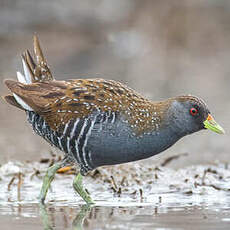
[(99, 122)]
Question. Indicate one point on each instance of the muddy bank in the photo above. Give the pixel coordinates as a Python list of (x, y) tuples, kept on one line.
[(133, 196), (136, 182)]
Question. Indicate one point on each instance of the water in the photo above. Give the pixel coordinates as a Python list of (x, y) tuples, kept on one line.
[(160, 198), (149, 216)]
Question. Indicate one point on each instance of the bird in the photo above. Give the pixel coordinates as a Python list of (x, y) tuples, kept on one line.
[(98, 122)]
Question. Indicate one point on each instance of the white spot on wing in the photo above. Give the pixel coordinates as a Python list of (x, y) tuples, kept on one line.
[(65, 129), (21, 78), (22, 103), (59, 143), (74, 128), (87, 137), (114, 117), (28, 76), (68, 145)]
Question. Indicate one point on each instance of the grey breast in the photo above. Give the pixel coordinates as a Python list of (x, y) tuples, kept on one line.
[(115, 142)]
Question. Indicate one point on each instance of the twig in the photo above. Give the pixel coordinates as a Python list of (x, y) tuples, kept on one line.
[(169, 159), (36, 173), (141, 193), (44, 160), (203, 177), (114, 183), (19, 185), (10, 183)]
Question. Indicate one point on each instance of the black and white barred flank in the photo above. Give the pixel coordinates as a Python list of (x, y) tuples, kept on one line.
[(74, 136)]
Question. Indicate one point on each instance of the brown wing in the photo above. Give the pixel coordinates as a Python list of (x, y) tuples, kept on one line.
[(11, 100), (60, 101)]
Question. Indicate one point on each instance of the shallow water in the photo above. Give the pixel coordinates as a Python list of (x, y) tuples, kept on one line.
[(151, 216), (160, 198)]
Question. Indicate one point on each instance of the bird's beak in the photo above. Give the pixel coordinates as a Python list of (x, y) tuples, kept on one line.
[(211, 124)]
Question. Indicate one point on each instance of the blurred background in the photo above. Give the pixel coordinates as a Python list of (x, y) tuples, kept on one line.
[(160, 48)]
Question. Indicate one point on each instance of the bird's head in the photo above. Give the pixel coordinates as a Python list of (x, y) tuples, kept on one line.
[(190, 114)]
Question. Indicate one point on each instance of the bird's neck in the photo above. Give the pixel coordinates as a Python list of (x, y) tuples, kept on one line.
[(148, 117), (161, 132)]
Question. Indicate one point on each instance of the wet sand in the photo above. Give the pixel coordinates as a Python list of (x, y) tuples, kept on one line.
[(160, 198)]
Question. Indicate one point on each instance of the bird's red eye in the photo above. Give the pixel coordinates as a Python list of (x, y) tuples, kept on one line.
[(193, 111)]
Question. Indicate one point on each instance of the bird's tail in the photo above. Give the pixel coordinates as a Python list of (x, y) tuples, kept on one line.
[(34, 72)]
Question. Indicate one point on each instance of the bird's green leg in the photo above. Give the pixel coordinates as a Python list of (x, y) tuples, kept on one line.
[(79, 219), (77, 184), (45, 218), (48, 179)]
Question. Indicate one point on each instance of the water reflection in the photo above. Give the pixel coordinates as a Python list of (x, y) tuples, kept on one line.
[(77, 223), (55, 216), (135, 218), (79, 220), (94, 217)]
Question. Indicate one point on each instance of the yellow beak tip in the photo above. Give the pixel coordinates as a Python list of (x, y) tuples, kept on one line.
[(222, 131), (211, 124)]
